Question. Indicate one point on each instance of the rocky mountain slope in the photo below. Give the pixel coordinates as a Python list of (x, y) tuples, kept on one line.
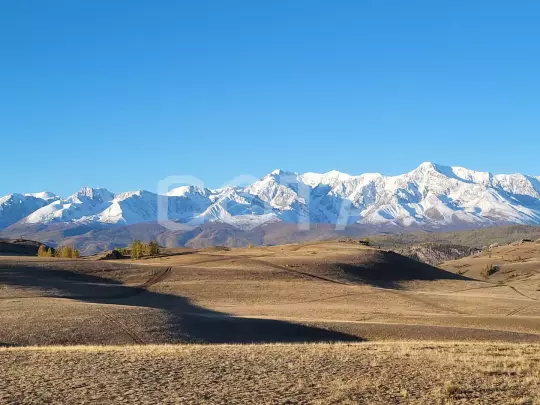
[(436, 253), (430, 196), (19, 247), (480, 238), (15, 207)]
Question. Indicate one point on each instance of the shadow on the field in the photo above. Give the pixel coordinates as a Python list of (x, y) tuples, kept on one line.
[(187, 322), (390, 270), (2, 344), (57, 282)]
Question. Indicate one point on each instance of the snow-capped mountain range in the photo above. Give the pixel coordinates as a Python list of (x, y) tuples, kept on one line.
[(430, 196)]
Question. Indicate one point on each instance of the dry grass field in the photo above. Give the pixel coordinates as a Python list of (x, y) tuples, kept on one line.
[(517, 264), (415, 333), (327, 291), (359, 373)]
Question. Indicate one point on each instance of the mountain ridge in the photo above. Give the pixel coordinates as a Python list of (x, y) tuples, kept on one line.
[(430, 196)]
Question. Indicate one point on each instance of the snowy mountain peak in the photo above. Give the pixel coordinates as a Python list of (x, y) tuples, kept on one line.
[(97, 194), (428, 166), (136, 193), (186, 190), (15, 207), (9, 197), (336, 173), (328, 178), (280, 172), (431, 196), (44, 195)]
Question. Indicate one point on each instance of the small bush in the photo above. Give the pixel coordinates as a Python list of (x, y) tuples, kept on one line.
[(450, 389), (489, 270)]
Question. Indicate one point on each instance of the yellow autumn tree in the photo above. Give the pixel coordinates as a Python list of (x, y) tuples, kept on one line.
[(137, 249), (42, 250), (151, 248), (67, 252)]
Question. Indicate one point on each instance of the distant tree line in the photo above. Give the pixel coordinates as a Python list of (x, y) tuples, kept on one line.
[(139, 249), (44, 251), (61, 251)]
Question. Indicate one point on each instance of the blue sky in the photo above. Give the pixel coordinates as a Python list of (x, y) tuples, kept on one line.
[(121, 93)]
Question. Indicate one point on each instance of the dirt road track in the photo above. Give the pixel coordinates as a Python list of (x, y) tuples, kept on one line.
[(156, 278), (125, 329)]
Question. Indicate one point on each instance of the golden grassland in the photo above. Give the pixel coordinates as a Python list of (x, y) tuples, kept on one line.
[(515, 264), (262, 294), (418, 334), (357, 373)]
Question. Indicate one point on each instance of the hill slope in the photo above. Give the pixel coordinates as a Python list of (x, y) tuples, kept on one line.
[(20, 247), (324, 291), (475, 238)]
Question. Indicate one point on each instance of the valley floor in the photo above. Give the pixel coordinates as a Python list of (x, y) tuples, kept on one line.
[(358, 373), (292, 293), (333, 323)]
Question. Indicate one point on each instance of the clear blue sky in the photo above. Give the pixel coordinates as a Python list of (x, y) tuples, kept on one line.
[(121, 94)]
